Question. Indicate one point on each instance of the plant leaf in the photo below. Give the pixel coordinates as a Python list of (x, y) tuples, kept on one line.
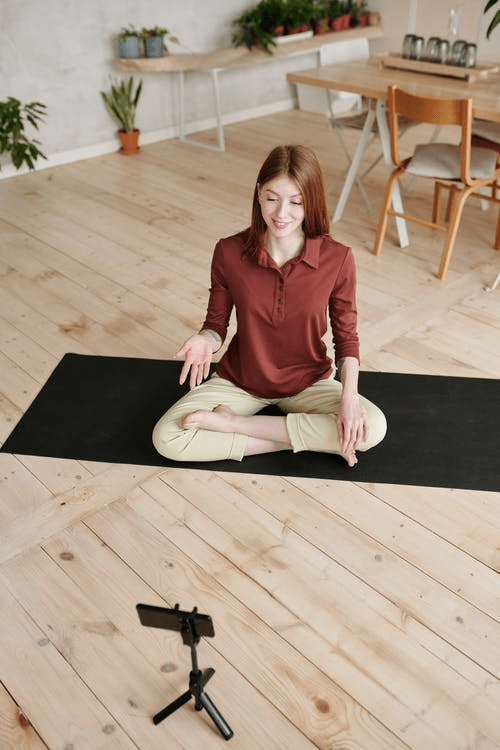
[(495, 21)]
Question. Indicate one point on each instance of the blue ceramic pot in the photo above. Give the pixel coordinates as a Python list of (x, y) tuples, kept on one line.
[(131, 47), (154, 46)]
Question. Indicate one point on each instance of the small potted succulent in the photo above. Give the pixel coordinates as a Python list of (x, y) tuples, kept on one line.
[(153, 39), (129, 43), (122, 103), (14, 117)]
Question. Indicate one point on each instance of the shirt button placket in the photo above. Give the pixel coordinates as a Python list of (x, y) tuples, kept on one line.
[(281, 286)]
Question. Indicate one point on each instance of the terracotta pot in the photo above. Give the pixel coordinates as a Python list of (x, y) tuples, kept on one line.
[(279, 31), (364, 19), (336, 24), (299, 29), (341, 22), (129, 142), (320, 25)]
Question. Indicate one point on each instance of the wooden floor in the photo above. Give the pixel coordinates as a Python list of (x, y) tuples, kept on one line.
[(347, 616)]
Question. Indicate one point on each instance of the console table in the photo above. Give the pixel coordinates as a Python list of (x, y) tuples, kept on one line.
[(219, 60)]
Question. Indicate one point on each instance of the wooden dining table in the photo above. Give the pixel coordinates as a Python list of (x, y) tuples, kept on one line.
[(371, 79)]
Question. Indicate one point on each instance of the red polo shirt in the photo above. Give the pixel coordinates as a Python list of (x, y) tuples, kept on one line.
[(281, 314)]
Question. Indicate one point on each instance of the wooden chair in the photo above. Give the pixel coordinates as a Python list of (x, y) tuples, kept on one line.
[(485, 134), (462, 169)]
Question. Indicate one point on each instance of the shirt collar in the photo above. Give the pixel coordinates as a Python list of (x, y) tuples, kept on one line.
[(309, 253)]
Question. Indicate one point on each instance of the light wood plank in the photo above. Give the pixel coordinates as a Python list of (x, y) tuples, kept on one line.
[(16, 733), (356, 608), (367, 605), (116, 589), (58, 511), (47, 689), (298, 689)]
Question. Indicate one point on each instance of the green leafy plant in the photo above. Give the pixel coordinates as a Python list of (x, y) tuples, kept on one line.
[(496, 18), (122, 102), (13, 119), (319, 10), (335, 9), (155, 31), (297, 13), (258, 24), (272, 13), (158, 31), (124, 33)]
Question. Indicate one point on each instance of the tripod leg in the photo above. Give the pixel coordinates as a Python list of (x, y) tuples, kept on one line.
[(216, 716), (180, 701)]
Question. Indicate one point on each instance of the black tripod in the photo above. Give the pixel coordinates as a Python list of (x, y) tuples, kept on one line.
[(190, 624)]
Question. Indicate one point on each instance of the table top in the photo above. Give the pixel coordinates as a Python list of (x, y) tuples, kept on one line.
[(369, 78), (230, 57)]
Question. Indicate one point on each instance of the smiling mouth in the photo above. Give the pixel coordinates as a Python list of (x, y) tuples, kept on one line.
[(280, 224)]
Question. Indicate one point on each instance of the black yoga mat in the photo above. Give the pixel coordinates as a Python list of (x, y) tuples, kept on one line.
[(442, 432)]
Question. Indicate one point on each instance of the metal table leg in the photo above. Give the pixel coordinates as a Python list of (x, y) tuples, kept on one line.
[(379, 113), (353, 169), (182, 113)]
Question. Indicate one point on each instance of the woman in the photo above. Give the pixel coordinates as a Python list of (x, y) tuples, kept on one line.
[(282, 275)]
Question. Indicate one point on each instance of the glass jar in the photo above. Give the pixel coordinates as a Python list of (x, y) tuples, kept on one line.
[(469, 55), (408, 45)]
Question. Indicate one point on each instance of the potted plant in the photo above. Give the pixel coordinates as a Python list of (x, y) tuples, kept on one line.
[(129, 43), (122, 103), (297, 16), (272, 16), (360, 13), (496, 18), (154, 43), (13, 119), (319, 16), (336, 15), (252, 31)]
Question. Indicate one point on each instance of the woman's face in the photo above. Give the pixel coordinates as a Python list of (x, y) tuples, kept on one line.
[(282, 207)]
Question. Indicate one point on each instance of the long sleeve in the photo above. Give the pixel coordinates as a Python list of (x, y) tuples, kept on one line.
[(220, 301)]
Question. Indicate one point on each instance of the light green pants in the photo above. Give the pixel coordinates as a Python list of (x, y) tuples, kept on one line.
[(310, 421)]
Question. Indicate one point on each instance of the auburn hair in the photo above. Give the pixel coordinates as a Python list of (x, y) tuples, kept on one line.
[(301, 164)]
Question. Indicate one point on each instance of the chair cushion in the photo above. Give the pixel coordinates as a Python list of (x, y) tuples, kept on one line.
[(442, 161), (488, 130)]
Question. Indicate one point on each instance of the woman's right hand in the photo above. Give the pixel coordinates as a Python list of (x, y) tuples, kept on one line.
[(197, 353)]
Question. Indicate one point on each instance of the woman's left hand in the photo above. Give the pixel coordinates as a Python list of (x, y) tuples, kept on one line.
[(352, 423)]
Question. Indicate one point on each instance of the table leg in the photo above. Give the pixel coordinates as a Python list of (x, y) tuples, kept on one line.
[(182, 113), (353, 169), (397, 203)]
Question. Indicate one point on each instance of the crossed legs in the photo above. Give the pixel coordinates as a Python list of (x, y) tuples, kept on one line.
[(218, 420)]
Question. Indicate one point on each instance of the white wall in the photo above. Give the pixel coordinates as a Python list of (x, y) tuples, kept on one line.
[(62, 52), (432, 20)]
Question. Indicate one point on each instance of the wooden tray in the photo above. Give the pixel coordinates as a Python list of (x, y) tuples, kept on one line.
[(395, 60)]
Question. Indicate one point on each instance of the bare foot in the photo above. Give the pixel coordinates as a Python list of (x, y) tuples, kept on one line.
[(218, 420), (351, 458)]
